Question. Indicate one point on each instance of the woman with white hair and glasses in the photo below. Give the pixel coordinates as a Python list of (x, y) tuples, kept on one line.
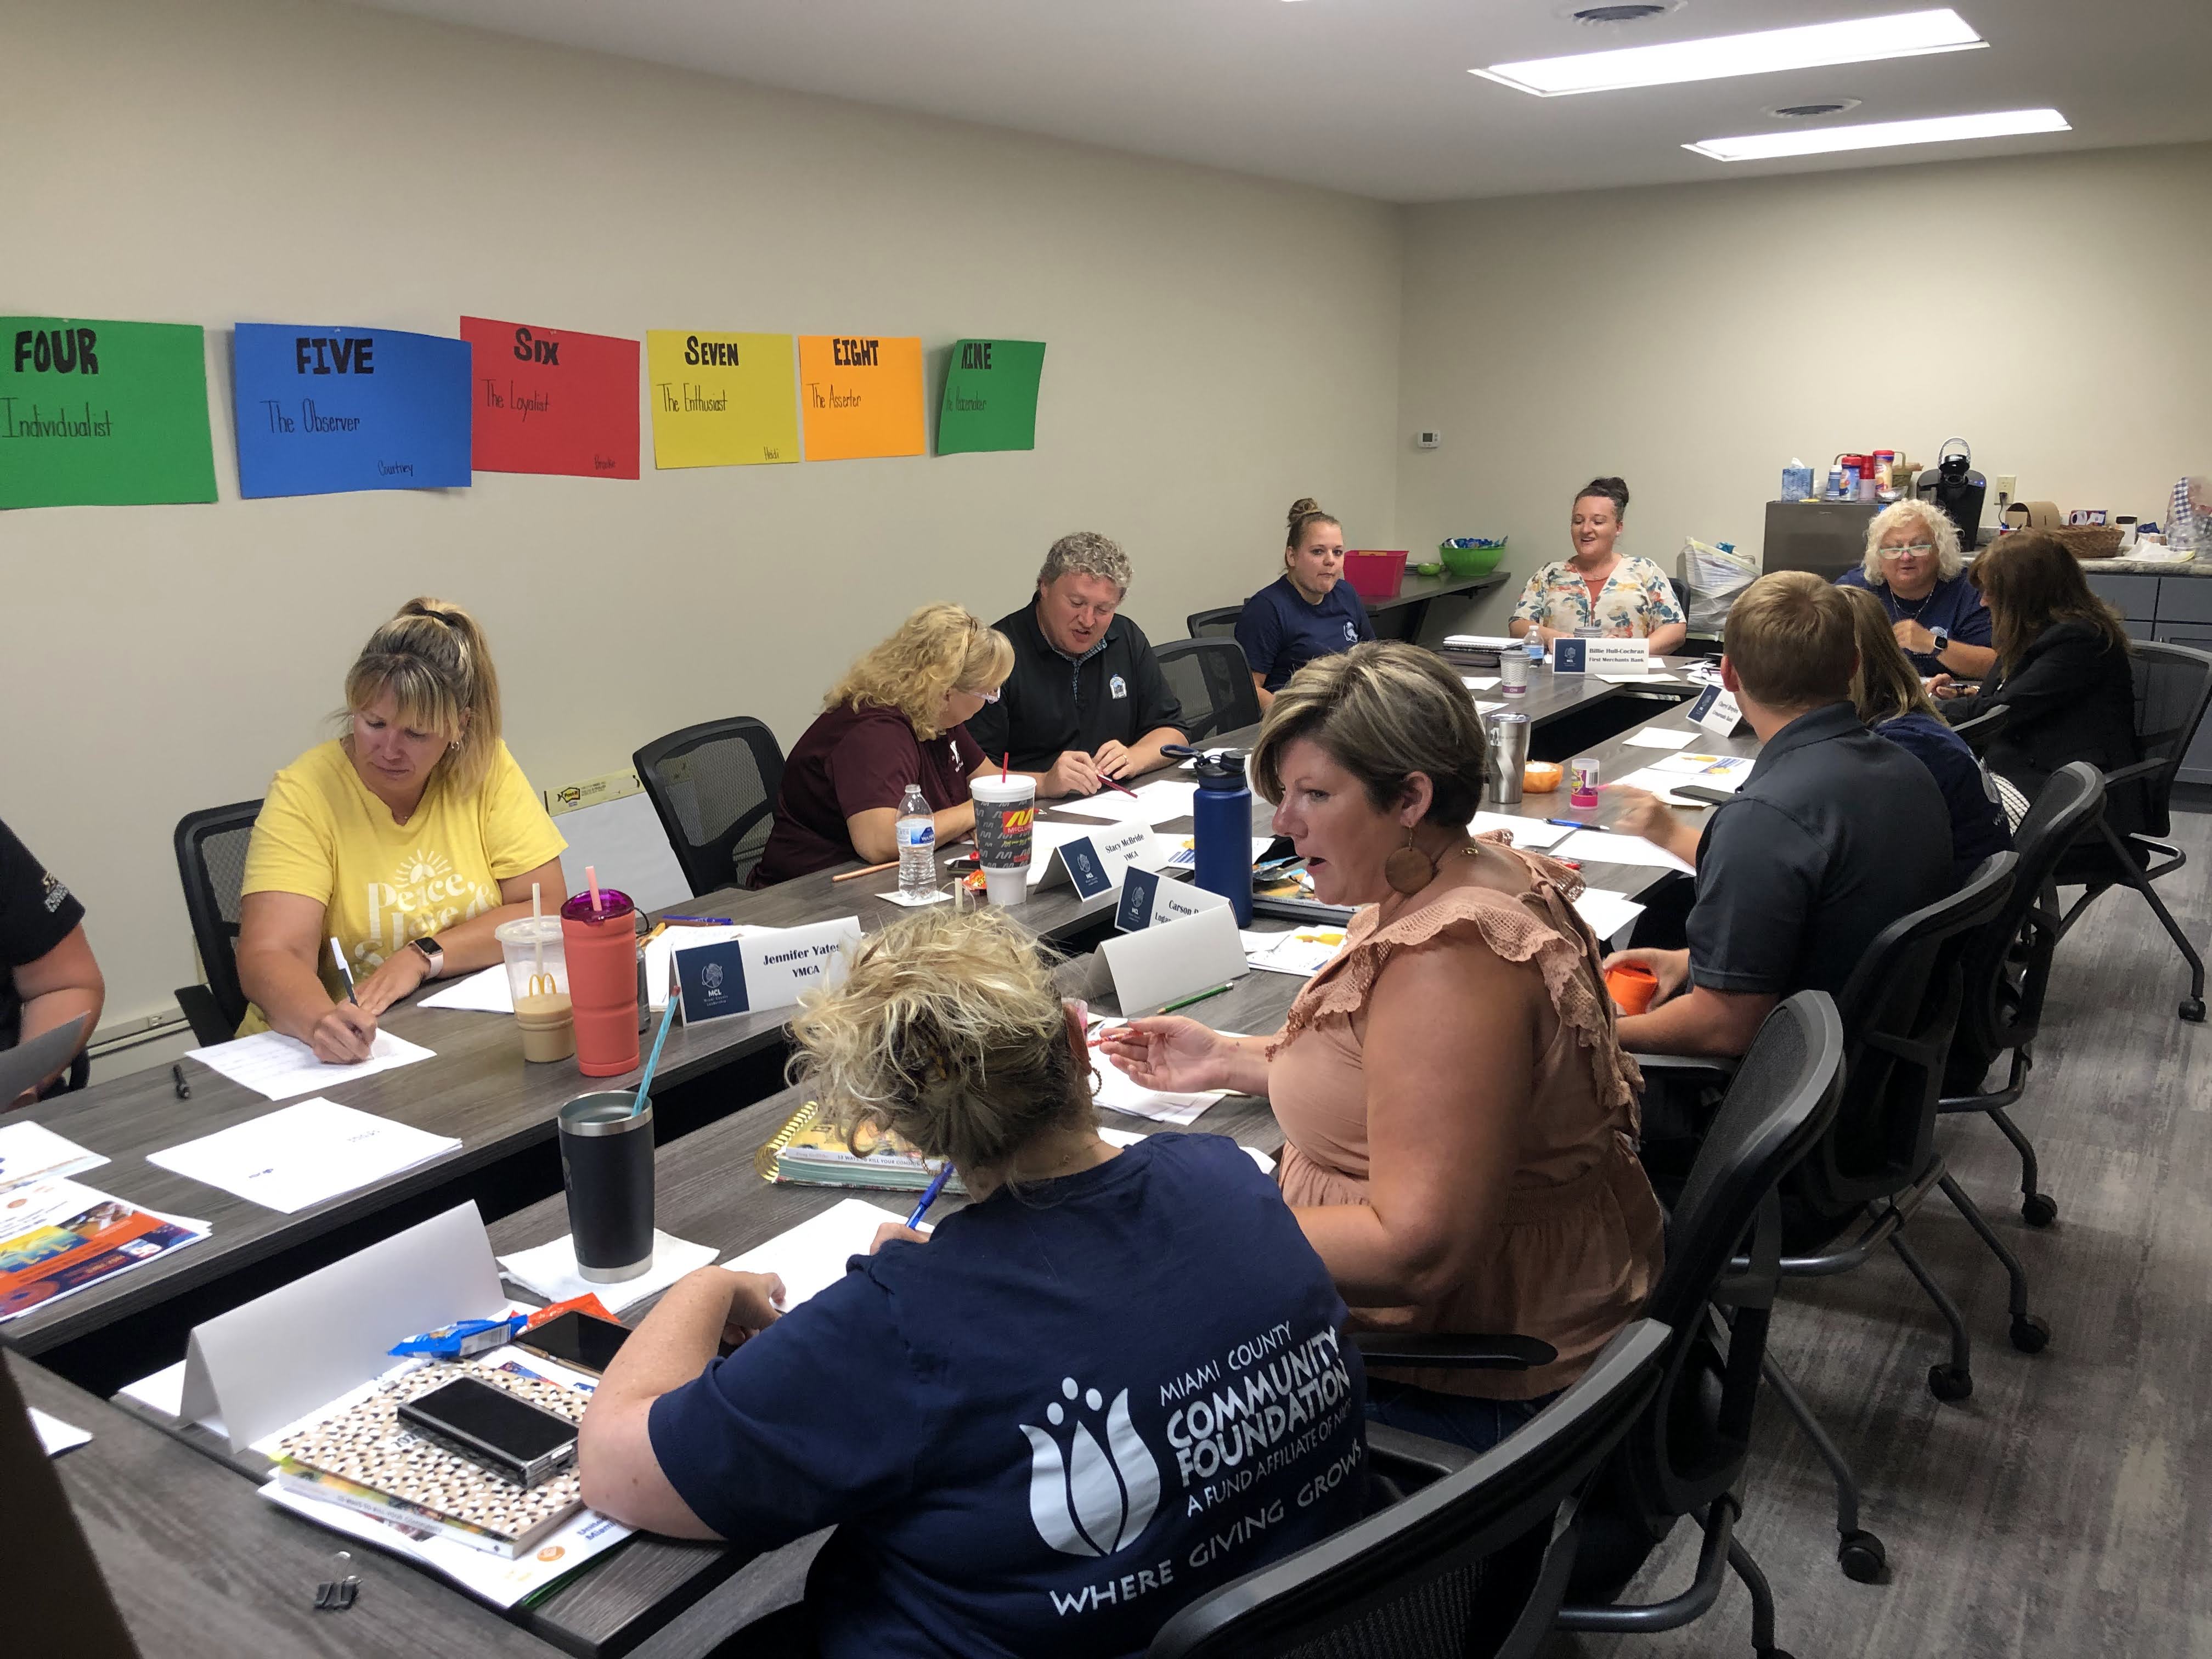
[(1914, 567)]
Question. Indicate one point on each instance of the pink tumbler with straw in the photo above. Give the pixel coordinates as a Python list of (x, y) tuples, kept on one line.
[(598, 934)]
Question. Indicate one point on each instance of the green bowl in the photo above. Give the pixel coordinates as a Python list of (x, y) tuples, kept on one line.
[(1471, 561)]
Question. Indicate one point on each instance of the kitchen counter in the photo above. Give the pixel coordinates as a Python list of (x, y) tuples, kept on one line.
[(2197, 566)]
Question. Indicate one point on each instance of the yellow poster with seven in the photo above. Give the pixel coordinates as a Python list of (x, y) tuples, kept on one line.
[(721, 399)]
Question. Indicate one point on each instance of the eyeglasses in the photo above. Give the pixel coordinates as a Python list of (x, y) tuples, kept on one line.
[(1917, 549)]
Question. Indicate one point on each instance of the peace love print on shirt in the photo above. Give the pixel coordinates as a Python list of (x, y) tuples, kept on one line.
[(425, 896)]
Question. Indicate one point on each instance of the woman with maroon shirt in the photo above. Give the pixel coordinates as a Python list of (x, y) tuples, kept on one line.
[(899, 716)]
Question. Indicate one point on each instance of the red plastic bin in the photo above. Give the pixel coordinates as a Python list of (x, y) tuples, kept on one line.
[(1375, 574)]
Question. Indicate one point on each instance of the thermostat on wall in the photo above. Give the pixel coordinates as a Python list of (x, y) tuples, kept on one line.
[(1427, 440)]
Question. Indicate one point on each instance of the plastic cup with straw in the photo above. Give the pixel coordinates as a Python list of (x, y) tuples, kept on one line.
[(541, 982)]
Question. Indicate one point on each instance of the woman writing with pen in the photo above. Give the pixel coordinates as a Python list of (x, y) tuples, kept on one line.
[(1460, 1118), (1021, 1407), (405, 840)]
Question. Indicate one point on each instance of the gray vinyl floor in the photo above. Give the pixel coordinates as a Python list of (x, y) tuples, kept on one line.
[(2066, 1507)]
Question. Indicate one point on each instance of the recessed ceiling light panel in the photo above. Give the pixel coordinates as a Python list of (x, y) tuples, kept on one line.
[(1878, 135), (1815, 45)]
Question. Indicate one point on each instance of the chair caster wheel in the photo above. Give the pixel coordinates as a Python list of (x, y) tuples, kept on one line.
[(2193, 1010), (2037, 1210), (1950, 1382), (1863, 1557), (2030, 1334)]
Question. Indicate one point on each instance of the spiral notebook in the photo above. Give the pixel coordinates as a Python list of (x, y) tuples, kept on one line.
[(808, 1152)]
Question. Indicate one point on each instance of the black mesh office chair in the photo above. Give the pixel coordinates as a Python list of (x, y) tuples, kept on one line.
[(2172, 685), (1472, 1564), (1212, 681), (1218, 623), (714, 785), (1985, 728), (2008, 968), (211, 864), (1685, 1455)]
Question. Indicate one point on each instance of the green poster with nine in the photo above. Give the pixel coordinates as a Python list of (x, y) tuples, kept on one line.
[(990, 396), (103, 413)]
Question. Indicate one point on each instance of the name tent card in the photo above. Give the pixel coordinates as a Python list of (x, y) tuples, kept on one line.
[(1569, 656), (765, 970), (1151, 900), (721, 399), (861, 396), (1175, 960), (101, 414), (1095, 863), (1716, 711), (1618, 656), (548, 400), (322, 410), (990, 397)]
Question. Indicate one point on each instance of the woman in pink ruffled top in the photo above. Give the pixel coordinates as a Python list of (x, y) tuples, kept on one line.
[(1460, 1121)]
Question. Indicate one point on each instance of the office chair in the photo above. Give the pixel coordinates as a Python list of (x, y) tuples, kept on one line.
[(1984, 727), (211, 863), (1212, 681), (2008, 969), (2172, 685), (1218, 623), (1685, 1455), (713, 786), (1472, 1563)]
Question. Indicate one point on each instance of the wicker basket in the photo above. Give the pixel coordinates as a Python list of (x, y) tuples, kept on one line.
[(2090, 541)]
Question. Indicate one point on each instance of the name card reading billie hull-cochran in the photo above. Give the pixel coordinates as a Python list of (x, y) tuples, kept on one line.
[(322, 410), (548, 400), (861, 396), (990, 397), (721, 399), (103, 413)]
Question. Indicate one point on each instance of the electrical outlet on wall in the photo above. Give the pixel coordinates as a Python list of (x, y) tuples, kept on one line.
[(2007, 487)]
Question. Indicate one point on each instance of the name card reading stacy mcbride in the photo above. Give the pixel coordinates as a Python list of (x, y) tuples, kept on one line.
[(721, 399), (99, 413), (321, 409), (547, 400), (861, 396)]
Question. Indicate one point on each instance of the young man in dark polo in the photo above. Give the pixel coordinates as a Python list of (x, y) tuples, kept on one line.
[(1836, 833), (1086, 699)]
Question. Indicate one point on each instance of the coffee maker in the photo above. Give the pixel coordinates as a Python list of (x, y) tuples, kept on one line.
[(1953, 485)]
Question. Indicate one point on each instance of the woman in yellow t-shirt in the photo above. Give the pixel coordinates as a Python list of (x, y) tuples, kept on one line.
[(408, 840)]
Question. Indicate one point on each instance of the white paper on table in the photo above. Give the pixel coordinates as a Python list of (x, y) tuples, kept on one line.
[(1653, 736), (1729, 772), (1155, 804), (30, 1149), (1669, 775), (269, 1063), (303, 1154), (1482, 707), (811, 1256), (1639, 679), (487, 993), (942, 896), (1303, 952), (55, 1436), (1117, 1091), (1533, 834), (549, 1270), (1606, 912), (1479, 683), (1131, 1137), (1599, 846)]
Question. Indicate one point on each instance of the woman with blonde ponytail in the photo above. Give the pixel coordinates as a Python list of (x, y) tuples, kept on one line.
[(1308, 612), (407, 839)]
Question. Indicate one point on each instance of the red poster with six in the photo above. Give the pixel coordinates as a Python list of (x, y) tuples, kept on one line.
[(550, 400)]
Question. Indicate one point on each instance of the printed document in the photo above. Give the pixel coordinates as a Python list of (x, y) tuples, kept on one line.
[(269, 1063), (302, 1155)]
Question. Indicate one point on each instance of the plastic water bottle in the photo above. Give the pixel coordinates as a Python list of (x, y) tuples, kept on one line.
[(1535, 647), (917, 845)]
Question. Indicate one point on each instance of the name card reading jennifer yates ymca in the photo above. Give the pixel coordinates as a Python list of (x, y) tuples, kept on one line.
[(721, 399), (321, 409), (548, 400), (860, 395), (103, 413)]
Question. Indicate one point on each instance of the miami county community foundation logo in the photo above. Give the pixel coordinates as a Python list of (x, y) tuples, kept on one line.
[(1087, 1498), (711, 975)]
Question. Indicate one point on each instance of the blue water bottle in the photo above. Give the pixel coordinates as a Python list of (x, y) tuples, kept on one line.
[(1223, 810)]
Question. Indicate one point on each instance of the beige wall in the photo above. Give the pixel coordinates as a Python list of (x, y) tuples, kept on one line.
[(1695, 338), (263, 160)]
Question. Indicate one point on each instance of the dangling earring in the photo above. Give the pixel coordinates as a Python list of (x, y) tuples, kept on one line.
[(1409, 869)]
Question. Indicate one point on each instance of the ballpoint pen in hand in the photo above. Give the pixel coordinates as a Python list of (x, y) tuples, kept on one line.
[(929, 1196), (338, 955)]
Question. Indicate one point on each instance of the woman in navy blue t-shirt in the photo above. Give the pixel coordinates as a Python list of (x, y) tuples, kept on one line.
[(1308, 612), (1116, 1380)]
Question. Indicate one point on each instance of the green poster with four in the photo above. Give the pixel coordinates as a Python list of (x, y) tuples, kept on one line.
[(990, 396), (98, 413)]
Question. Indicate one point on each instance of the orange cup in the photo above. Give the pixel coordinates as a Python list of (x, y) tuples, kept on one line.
[(601, 948), (1632, 986), (1540, 777)]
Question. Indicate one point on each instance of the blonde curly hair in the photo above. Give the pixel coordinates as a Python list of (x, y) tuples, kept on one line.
[(1949, 559), (946, 1032), (940, 648)]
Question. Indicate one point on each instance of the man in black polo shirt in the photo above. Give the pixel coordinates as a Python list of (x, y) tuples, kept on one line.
[(1086, 699), (1837, 834)]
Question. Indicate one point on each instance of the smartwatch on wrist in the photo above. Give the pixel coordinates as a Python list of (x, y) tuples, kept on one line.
[(1943, 640), (431, 955)]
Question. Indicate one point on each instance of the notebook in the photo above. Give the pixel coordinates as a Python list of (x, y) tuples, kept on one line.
[(808, 1152)]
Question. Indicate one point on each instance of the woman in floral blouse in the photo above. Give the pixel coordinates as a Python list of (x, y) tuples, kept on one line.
[(1622, 598)]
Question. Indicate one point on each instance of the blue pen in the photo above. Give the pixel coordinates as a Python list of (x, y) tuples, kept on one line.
[(929, 1195), (1575, 823), (698, 922)]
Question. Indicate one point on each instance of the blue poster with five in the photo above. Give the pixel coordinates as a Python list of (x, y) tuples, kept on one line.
[(321, 409)]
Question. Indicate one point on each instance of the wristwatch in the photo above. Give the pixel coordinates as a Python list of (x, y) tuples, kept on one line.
[(1942, 636), (431, 954)]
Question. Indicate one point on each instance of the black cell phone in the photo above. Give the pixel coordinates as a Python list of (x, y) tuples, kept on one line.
[(576, 1338), (514, 1439)]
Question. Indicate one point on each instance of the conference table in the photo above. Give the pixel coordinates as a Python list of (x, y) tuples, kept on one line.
[(723, 1078)]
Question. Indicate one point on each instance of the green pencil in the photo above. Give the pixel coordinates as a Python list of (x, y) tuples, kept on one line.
[(1200, 997)]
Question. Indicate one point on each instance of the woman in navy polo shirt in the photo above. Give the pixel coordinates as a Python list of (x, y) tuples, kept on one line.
[(1914, 567), (1308, 612), (1116, 1380)]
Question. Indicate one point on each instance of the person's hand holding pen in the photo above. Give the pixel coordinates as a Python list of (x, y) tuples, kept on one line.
[(343, 1035), (1173, 1054), (1638, 812), (911, 1232)]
